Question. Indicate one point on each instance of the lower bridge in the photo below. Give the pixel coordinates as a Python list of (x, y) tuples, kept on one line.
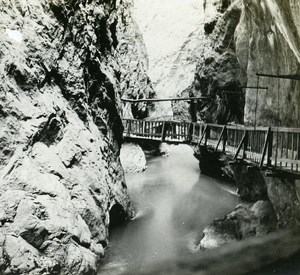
[(270, 147)]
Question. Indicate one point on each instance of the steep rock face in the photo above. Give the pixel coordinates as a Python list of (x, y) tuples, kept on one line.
[(135, 82), (272, 35), (244, 38), (60, 132), (172, 31), (218, 68)]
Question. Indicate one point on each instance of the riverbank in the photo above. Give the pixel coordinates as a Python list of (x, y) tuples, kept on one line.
[(270, 199)]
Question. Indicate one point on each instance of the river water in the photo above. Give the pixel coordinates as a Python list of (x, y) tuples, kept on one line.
[(174, 203)]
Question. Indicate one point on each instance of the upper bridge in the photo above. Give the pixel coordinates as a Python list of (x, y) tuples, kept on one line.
[(271, 147)]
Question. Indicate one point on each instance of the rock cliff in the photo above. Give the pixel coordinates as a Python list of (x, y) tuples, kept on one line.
[(63, 69), (134, 67), (172, 30), (242, 38)]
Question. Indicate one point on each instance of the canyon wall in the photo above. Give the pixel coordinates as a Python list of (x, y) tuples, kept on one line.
[(243, 38), (134, 79), (64, 65), (172, 30)]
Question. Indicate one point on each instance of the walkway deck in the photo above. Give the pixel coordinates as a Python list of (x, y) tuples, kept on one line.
[(266, 146)]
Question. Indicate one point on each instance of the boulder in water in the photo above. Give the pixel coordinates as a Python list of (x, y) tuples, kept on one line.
[(132, 158), (245, 221)]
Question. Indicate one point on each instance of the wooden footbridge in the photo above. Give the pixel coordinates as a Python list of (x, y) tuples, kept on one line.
[(266, 146)]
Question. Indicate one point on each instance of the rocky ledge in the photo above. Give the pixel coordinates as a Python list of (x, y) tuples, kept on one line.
[(247, 220)]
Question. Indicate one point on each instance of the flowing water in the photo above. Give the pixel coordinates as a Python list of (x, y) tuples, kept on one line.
[(173, 203)]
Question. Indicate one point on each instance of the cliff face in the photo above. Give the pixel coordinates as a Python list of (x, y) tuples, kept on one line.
[(134, 79), (272, 33), (172, 30), (243, 38), (62, 69)]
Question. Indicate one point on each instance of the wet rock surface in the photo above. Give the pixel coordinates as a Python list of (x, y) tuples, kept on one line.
[(250, 182), (61, 130), (132, 158), (214, 164), (247, 220), (270, 202), (284, 196)]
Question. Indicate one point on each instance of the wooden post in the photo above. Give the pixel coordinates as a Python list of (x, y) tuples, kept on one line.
[(266, 145), (244, 142), (224, 140), (164, 132), (207, 135), (270, 148), (203, 135), (129, 127), (220, 138), (190, 132), (143, 128)]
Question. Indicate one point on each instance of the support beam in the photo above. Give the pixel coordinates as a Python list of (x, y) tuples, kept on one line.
[(266, 145), (220, 138), (291, 77), (164, 132), (245, 137), (203, 135), (244, 87), (165, 99), (254, 87)]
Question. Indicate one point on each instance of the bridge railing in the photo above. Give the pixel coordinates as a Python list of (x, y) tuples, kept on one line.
[(170, 131), (177, 131), (266, 146), (256, 142), (143, 129), (278, 147), (197, 131), (286, 148)]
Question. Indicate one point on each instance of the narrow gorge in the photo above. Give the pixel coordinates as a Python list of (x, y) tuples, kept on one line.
[(79, 108)]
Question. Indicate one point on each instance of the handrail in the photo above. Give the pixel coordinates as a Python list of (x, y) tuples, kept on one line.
[(165, 99), (266, 146)]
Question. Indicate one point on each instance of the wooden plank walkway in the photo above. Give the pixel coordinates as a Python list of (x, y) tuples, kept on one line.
[(266, 146)]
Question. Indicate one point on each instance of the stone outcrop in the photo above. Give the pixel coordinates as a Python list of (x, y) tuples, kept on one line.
[(270, 201), (218, 69), (284, 194), (243, 38), (214, 163), (132, 158), (63, 71), (250, 182), (246, 221)]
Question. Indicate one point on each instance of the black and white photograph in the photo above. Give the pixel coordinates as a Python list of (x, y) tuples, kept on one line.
[(150, 137)]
